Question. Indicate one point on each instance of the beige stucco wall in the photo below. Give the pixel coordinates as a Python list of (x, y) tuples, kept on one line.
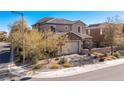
[(82, 27), (72, 47), (61, 28)]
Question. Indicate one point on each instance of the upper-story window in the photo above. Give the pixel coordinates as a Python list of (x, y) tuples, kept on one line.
[(88, 32), (79, 29), (101, 32), (52, 28), (123, 30), (66, 27)]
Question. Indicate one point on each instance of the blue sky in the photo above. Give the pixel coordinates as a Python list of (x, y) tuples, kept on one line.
[(89, 17)]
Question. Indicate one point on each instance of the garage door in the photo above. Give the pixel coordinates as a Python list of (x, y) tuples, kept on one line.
[(72, 48)]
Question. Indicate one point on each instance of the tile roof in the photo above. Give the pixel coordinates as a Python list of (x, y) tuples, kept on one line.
[(86, 36), (98, 24), (60, 21), (57, 21), (94, 25), (83, 36), (45, 19)]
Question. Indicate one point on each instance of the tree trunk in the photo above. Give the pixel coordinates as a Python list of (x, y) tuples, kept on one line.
[(111, 50), (89, 51)]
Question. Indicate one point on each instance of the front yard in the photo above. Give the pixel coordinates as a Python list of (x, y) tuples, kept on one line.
[(69, 65), (75, 60)]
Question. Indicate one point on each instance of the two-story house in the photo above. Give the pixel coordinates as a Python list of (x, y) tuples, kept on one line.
[(74, 29), (97, 33)]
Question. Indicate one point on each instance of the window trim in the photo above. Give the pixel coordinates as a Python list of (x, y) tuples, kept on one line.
[(101, 32), (88, 32), (66, 28), (79, 29), (52, 28)]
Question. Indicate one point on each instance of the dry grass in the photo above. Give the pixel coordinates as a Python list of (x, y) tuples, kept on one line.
[(67, 65), (55, 66)]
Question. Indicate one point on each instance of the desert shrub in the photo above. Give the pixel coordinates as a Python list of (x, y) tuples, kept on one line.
[(67, 64), (34, 59), (101, 59), (106, 54), (117, 54), (98, 54), (39, 66), (121, 53), (57, 58), (55, 66), (110, 58), (113, 57), (81, 58), (62, 60)]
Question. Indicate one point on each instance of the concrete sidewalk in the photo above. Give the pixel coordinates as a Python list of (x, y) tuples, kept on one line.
[(66, 71), (78, 70)]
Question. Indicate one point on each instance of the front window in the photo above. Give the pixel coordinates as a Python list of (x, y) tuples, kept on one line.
[(88, 31), (101, 32), (66, 27), (79, 29), (52, 28)]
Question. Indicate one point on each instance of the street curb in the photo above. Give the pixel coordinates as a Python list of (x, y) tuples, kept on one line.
[(73, 70), (79, 70)]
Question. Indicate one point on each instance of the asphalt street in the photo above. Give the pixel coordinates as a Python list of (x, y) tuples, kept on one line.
[(4, 61), (115, 73)]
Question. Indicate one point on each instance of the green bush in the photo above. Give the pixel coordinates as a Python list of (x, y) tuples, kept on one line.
[(121, 53), (81, 58), (62, 60), (39, 66), (117, 54), (106, 54)]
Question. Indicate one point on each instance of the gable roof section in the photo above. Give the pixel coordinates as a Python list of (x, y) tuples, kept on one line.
[(97, 25), (60, 21), (43, 20), (79, 21), (74, 36), (57, 21), (83, 36), (86, 36)]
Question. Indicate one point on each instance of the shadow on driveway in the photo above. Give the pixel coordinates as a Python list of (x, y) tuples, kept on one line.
[(5, 56)]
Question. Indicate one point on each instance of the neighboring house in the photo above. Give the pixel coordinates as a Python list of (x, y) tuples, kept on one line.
[(96, 31), (3, 36), (74, 29)]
